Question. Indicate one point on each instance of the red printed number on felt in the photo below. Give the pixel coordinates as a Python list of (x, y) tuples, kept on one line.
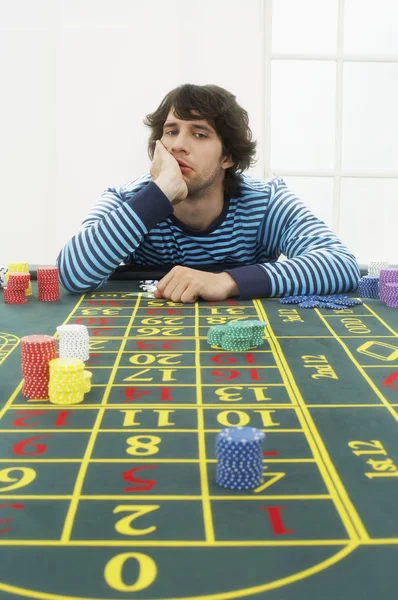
[(389, 381), (59, 422), (9, 520), (227, 359), (146, 484), (274, 513), (19, 447), (131, 393)]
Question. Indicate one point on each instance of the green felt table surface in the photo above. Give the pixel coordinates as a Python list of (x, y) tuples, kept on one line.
[(116, 497)]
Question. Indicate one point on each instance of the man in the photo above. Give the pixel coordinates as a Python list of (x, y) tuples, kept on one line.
[(196, 207)]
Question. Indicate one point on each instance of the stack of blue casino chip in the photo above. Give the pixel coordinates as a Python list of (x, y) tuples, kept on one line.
[(368, 287), (239, 458)]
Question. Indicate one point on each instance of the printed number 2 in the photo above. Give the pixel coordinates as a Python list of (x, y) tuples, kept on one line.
[(123, 526)]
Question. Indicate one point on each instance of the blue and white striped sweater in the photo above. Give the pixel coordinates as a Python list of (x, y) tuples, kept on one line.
[(135, 224)]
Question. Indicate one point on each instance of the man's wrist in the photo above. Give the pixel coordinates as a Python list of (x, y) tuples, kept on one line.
[(167, 187), (230, 284)]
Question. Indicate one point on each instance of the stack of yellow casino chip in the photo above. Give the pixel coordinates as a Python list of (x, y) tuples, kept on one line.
[(20, 268), (68, 381), (87, 381)]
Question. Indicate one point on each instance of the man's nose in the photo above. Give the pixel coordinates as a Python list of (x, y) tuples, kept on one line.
[(179, 142)]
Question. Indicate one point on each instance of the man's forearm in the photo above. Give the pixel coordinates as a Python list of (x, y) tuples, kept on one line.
[(90, 256), (318, 272)]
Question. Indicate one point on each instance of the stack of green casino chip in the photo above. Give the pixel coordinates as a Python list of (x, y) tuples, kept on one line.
[(237, 335), (68, 381), (215, 335), (257, 329)]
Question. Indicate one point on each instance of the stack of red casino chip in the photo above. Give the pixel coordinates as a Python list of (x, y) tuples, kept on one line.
[(47, 284), (17, 283), (36, 352)]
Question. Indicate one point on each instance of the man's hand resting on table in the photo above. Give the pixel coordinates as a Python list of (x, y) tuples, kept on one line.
[(167, 175), (183, 284)]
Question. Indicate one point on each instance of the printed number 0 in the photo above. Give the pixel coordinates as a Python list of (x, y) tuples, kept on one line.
[(146, 575), (143, 448)]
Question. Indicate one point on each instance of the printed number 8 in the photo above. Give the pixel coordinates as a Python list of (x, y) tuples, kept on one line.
[(138, 447)]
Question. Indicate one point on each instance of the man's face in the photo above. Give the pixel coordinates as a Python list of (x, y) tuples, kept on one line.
[(197, 144)]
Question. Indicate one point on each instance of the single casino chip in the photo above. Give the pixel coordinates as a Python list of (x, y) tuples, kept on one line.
[(232, 485), (293, 299), (310, 304), (240, 475), (247, 440), (333, 306), (240, 435), (37, 340), (348, 302), (38, 356), (331, 298), (66, 365)]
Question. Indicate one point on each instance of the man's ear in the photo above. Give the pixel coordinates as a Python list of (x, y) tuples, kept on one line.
[(227, 162)]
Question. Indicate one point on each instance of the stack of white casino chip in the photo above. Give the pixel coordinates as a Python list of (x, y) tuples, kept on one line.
[(3, 272), (148, 285), (73, 341), (375, 266), (239, 458)]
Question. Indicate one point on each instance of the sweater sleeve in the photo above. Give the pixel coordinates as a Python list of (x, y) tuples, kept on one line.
[(113, 229), (318, 262)]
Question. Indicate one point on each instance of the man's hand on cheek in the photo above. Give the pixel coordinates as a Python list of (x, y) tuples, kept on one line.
[(183, 284)]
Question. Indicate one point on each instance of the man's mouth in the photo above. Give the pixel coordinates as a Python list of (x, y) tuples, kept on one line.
[(183, 165)]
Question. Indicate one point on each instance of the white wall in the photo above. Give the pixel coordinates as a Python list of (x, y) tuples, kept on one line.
[(319, 79)]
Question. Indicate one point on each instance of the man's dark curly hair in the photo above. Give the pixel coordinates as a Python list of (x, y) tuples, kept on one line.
[(220, 109)]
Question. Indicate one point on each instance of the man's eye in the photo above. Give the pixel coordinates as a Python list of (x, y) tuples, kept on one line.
[(172, 131)]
